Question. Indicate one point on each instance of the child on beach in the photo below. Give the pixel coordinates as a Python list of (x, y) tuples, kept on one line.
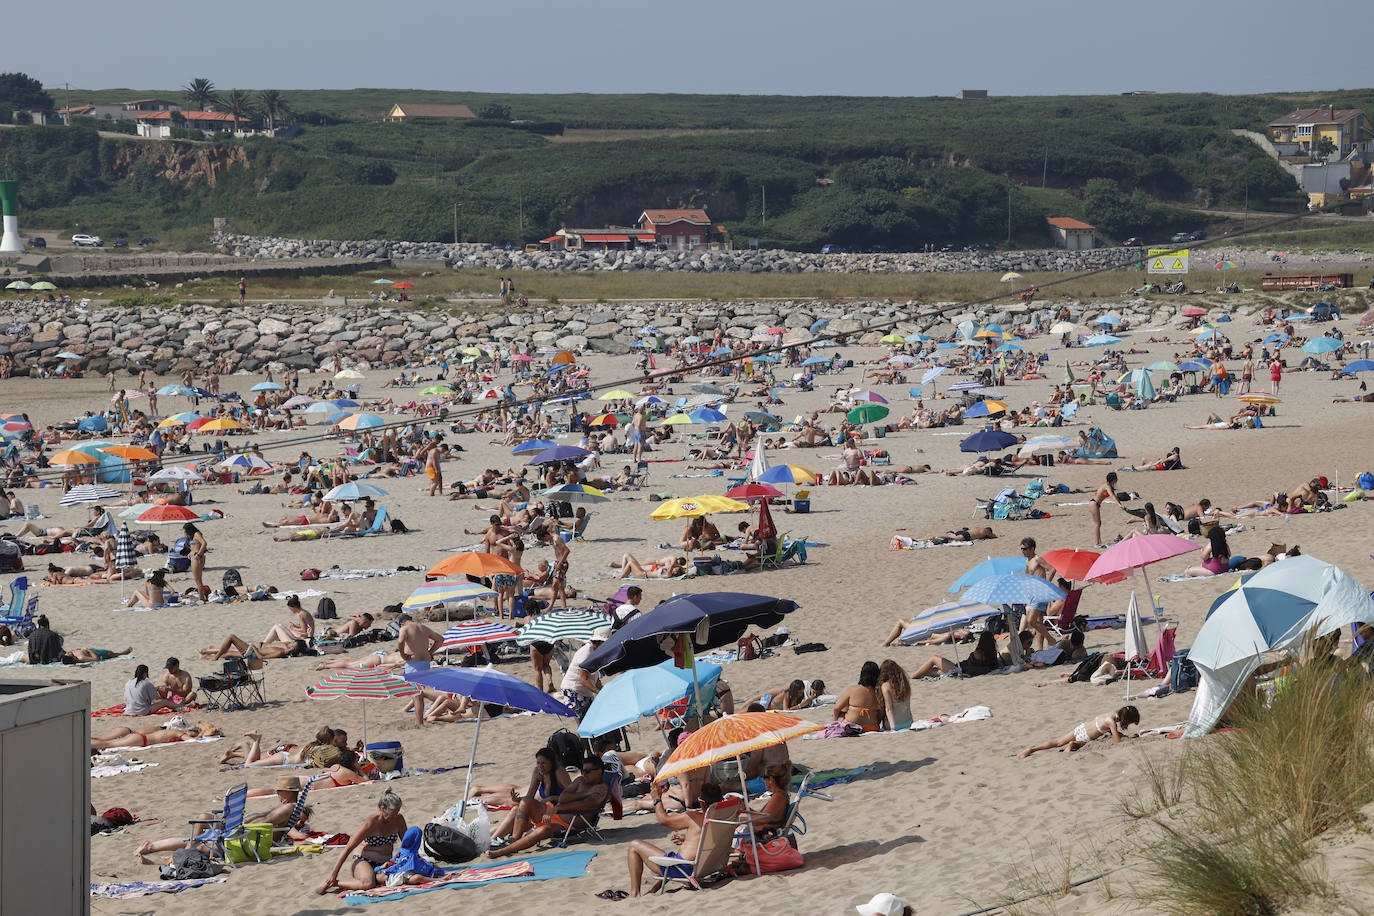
[(1088, 731)]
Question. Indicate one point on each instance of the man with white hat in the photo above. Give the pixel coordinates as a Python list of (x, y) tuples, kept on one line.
[(581, 686), (884, 905)]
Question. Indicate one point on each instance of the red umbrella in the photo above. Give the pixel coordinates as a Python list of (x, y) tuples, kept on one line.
[(167, 515), (404, 286), (748, 492), (198, 422), (1074, 564), (1194, 313), (766, 527)]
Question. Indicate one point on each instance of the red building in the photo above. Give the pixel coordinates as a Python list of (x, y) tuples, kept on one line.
[(677, 229)]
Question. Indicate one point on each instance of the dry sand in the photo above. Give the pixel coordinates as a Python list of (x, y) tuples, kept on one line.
[(948, 818)]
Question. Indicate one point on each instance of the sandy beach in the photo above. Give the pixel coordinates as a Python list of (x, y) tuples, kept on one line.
[(948, 818)]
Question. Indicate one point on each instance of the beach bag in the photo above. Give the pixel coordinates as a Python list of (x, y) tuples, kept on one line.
[(398, 526), (567, 749), (1183, 673), (253, 845), (1365, 481), (745, 649), (326, 610), (443, 843), (118, 817), (774, 855), (187, 864), (232, 581), (804, 648), (1086, 668), (310, 575)]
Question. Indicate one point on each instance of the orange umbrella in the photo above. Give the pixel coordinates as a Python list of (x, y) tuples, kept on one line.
[(215, 426), (1074, 564), (482, 565), (563, 356), (72, 456), (131, 453)]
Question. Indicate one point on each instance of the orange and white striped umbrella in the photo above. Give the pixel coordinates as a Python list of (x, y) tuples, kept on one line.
[(734, 736)]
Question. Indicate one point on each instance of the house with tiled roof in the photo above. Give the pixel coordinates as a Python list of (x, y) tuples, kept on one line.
[(679, 229), (158, 125), (1301, 132), (414, 111), (1073, 234)]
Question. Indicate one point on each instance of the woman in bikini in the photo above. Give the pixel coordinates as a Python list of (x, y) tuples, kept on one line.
[(547, 782), (981, 660), (377, 837), (859, 705), (795, 695), (1216, 555), (1086, 732), (1104, 492), (662, 568), (894, 688), (147, 735), (198, 549), (250, 752)]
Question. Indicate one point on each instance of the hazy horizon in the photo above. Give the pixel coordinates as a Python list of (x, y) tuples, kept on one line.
[(767, 47)]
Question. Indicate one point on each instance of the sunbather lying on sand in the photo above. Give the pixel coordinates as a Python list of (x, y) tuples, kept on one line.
[(234, 647), (249, 750), (958, 534), (146, 735), (378, 659), (663, 568), (1086, 732)]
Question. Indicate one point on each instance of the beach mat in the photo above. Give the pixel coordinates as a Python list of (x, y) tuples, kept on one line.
[(565, 863), (144, 888)]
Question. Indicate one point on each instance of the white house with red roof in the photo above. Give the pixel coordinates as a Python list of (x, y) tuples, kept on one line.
[(158, 125), (1073, 234)]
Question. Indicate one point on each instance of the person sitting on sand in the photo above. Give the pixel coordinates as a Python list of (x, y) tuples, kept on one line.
[(154, 592), (1086, 732), (688, 827), (1216, 555), (894, 689), (859, 705), (981, 660), (288, 817), (580, 800), (795, 695), (146, 735), (141, 697), (548, 781), (669, 567), (378, 836)]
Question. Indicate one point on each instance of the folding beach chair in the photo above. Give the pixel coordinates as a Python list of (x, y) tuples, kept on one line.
[(378, 525), (795, 825), (226, 825), (587, 826), (23, 624), (713, 850), (233, 687)]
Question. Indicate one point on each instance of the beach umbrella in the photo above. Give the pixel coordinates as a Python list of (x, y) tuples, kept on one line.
[(1276, 609), (1208, 334), (1276, 338), (1009, 276), (130, 452), (1195, 365), (220, 425), (246, 460), (436, 389), (1013, 588), (1073, 564), (403, 285), (71, 456), (19, 284), (382, 281), (902, 361), (176, 472), (559, 453), (362, 421), (1108, 320), (641, 692), (694, 506), (299, 400), (362, 684), (468, 635), (487, 685), (764, 420), (965, 386), (533, 445), (1359, 365), (1163, 366), (943, 618), (816, 360), (1063, 327), (677, 419), (758, 464), (707, 388), (892, 339), (1102, 340), (1259, 399), (351, 375), (126, 557), (1137, 553), (88, 493), (66, 354), (474, 563), (985, 408), (267, 386), (649, 400), (167, 515), (992, 566), (620, 394), (1194, 312), (867, 413), (551, 626), (354, 489), (917, 338), (988, 440), (445, 592), (1319, 345), (765, 358), (707, 415), (1009, 348), (871, 397), (786, 473), (575, 493), (606, 419), (748, 492), (1044, 445)]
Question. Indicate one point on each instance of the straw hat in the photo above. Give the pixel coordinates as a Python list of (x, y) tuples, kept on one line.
[(601, 634), (883, 905), (288, 784)]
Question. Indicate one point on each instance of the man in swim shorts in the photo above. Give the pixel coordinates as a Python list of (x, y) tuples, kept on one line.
[(415, 643)]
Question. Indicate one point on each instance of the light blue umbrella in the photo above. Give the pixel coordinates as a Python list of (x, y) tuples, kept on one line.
[(1008, 348), (707, 415), (818, 324), (1320, 345), (267, 386), (533, 445), (765, 358), (322, 407), (337, 417), (1013, 588), (1209, 334), (946, 345), (992, 566), (1276, 337), (354, 490), (1163, 366), (1109, 320), (174, 390), (1102, 340), (1359, 365), (1141, 384), (815, 360), (642, 692), (917, 338)]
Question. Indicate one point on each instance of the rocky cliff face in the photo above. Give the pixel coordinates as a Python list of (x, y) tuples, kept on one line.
[(186, 164)]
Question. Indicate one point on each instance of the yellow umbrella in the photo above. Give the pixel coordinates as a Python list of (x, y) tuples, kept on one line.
[(620, 394), (72, 456), (170, 422), (676, 419), (224, 423), (985, 334), (693, 506)]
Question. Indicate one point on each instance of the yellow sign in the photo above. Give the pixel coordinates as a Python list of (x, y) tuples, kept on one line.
[(1167, 261)]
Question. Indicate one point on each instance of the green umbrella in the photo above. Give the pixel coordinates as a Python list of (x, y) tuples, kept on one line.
[(1068, 375), (43, 284), (19, 284), (867, 413)]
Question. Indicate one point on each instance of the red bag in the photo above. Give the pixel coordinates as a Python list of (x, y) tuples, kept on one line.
[(119, 817), (774, 855), (310, 575)]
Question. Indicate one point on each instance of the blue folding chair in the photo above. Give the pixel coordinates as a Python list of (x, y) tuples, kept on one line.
[(227, 825), (19, 613)]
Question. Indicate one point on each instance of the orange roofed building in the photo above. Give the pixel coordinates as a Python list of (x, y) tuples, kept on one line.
[(1073, 234), (679, 229)]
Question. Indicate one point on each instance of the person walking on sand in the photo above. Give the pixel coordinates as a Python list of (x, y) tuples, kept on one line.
[(243, 290), (416, 643), (1275, 374), (198, 548)]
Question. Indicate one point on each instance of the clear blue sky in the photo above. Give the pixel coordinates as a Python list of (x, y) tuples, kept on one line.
[(804, 47)]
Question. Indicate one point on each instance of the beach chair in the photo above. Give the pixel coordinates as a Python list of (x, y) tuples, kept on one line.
[(23, 623), (1035, 489), (233, 687), (713, 850), (640, 477), (773, 559), (580, 531), (19, 590), (1067, 621), (790, 550), (795, 825), (378, 525), (587, 826), (226, 825)]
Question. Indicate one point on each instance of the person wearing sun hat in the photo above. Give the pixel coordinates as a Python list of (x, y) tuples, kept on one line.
[(885, 905), (579, 685)]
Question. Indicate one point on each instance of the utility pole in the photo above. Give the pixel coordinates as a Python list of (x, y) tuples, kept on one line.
[(1008, 214), (521, 198), (1045, 170), (455, 222), (765, 205)]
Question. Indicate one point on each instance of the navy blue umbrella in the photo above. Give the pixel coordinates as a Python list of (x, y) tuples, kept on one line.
[(560, 453), (989, 440), (725, 615)]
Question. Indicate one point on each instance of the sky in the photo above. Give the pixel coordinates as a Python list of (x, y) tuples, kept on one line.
[(788, 47)]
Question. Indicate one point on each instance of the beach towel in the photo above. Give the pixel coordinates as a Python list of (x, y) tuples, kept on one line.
[(824, 779), (115, 769), (565, 863), (144, 888), (905, 543), (1180, 577), (307, 593), (359, 573)]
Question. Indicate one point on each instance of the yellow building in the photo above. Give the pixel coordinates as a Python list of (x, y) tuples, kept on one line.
[(1346, 128)]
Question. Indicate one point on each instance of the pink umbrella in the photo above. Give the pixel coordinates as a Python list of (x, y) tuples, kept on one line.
[(1137, 553), (521, 357)]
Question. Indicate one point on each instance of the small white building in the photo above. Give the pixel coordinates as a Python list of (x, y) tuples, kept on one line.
[(158, 125), (1073, 234)]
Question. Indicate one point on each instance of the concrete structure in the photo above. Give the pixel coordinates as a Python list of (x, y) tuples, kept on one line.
[(408, 111), (972, 94), (606, 237), (680, 229), (124, 111), (1346, 128), (1073, 234), (45, 797), (10, 241)]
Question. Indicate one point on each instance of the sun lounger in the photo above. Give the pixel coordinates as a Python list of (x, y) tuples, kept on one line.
[(713, 850), (378, 525)]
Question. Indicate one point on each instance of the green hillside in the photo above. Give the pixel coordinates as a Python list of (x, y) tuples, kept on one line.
[(898, 172)]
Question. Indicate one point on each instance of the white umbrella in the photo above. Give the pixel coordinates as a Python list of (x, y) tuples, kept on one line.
[(176, 472), (1135, 640), (760, 462)]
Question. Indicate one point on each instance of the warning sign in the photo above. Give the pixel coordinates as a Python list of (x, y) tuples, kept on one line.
[(1167, 261)]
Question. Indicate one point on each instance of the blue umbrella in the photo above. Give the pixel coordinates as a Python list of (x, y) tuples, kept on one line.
[(554, 370), (712, 619), (722, 351), (1101, 340), (487, 685), (267, 386), (818, 324), (1277, 337), (981, 409), (815, 360), (917, 338), (1194, 365), (1008, 348), (337, 417), (1359, 365), (1322, 345), (946, 345), (989, 440), (1110, 320), (765, 358), (1013, 588), (780, 473), (707, 415), (345, 403), (992, 566), (559, 453), (173, 390), (1208, 334), (642, 692), (533, 445)]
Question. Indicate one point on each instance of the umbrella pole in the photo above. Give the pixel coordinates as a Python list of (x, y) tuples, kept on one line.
[(753, 840), (1154, 608), (472, 762), (418, 699)]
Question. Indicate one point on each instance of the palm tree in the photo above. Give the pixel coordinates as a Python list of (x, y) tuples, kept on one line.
[(200, 92), (273, 106), (239, 104)]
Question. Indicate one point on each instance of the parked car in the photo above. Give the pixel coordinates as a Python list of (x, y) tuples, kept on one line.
[(834, 249), (81, 240), (120, 243), (1180, 237), (38, 242), (532, 247), (1131, 242), (147, 240), (1197, 235)]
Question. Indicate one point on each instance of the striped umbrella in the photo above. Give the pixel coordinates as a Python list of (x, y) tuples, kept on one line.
[(435, 593), (946, 617), (574, 625), (88, 493), (176, 472), (125, 555), (734, 736), (575, 493), (467, 635), (246, 460), (362, 684)]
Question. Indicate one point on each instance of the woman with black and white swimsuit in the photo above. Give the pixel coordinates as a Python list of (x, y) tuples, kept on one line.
[(1104, 492), (378, 837)]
